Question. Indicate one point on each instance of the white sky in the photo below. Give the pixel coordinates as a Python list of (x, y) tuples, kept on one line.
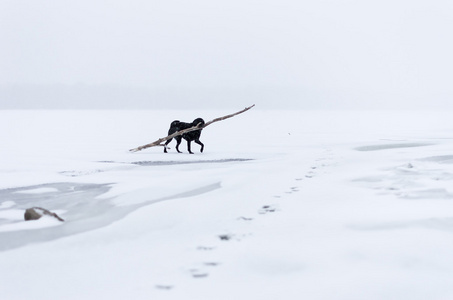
[(282, 53)]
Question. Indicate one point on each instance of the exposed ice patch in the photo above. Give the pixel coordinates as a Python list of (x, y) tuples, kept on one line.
[(75, 173), (443, 159), (38, 190), (179, 162), (183, 162), (391, 146), (82, 209), (428, 194)]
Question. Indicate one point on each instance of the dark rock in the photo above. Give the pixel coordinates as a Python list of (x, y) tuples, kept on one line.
[(31, 214), (36, 213)]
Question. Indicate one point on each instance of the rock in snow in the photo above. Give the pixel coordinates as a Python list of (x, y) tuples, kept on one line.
[(36, 213)]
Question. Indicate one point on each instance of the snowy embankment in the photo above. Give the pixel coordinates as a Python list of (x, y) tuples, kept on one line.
[(282, 205)]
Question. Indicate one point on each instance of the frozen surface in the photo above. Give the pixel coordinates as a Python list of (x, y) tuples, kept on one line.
[(281, 205)]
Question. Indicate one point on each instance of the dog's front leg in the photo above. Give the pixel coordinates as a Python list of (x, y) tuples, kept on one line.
[(201, 144)]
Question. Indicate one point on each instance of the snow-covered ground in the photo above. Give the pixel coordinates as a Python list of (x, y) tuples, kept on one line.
[(281, 205)]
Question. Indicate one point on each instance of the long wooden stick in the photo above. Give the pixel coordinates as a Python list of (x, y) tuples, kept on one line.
[(197, 127)]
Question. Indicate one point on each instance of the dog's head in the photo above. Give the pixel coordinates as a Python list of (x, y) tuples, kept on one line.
[(198, 121)]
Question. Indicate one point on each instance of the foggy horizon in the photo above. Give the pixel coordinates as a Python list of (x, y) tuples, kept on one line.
[(287, 54), (82, 96)]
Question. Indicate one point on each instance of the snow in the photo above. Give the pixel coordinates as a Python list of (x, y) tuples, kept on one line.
[(7, 204), (281, 205)]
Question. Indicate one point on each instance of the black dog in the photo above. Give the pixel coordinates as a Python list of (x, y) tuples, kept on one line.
[(189, 136)]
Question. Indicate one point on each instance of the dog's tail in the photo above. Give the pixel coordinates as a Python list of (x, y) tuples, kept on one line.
[(174, 126)]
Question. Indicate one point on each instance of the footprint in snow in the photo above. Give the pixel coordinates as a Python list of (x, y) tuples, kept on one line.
[(310, 174), (235, 237), (163, 287), (293, 189), (211, 264), (204, 248), (267, 209), (198, 273), (225, 237), (245, 219)]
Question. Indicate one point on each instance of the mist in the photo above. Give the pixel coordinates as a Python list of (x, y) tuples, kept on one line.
[(342, 54)]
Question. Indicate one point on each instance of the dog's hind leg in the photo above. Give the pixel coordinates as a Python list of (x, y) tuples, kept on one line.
[(201, 144), (178, 141), (166, 143)]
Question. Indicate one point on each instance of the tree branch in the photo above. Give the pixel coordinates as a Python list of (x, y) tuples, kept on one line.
[(197, 127)]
